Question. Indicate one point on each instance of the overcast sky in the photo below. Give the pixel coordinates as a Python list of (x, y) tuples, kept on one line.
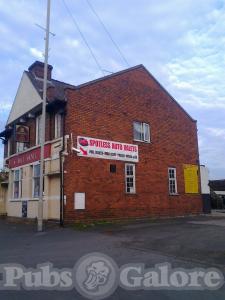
[(181, 42)]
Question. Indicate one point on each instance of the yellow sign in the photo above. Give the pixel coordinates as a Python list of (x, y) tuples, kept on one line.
[(191, 179)]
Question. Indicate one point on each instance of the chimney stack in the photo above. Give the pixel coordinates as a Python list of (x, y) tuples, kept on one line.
[(37, 69)]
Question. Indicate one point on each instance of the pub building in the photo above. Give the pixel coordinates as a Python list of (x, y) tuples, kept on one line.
[(117, 147)]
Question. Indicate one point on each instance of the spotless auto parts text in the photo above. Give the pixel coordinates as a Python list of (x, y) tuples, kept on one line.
[(91, 147)]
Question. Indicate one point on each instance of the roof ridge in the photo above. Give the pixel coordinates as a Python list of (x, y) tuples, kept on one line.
[(52, 79), (63, 82), (217, 180), (71, 86), (109, 76)]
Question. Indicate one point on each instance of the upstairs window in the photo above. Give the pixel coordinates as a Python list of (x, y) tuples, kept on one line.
[(20, 147), (38, 130), (16, 184), (172, 174), (58, 126), (130, 178), (8, 147), (141, 132)]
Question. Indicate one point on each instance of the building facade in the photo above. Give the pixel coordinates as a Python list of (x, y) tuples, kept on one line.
[(217, 189), (3, 192), (117, 147), (205, 189)]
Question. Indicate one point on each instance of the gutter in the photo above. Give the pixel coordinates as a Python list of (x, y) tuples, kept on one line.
[(61, 175)]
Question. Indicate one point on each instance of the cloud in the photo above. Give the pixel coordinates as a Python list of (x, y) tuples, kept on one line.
[(217, 132), (182, 43), (36, 53), (5, 106), (71, 42), (198, 70)]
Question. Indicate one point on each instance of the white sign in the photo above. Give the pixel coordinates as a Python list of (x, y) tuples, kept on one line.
[(79, 200), (91, 147)]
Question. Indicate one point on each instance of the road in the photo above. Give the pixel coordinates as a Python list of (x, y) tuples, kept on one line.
[(194, 242)]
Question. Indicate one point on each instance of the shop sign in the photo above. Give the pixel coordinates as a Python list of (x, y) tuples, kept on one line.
[(29, 157), (97, 148), (22, 134)]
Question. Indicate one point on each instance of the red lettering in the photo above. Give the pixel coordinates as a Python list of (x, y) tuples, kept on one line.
[(130, 148), (117, 146), (99, 144)]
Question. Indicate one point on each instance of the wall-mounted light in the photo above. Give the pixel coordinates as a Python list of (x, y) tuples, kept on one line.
[(22, 120), (31, 116)]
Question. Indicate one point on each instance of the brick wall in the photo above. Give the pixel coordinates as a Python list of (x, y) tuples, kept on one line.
[(106, 110)]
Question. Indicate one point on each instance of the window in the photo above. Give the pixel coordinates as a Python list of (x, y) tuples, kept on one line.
[(130, 178), (141, 132), (58, 126), (16, 184), (8, 147), (112, 168), (172, 181), (38, 130), (20, 147), (36, 181)]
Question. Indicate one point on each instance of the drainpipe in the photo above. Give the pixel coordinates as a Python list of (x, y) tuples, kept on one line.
[(61, 174)]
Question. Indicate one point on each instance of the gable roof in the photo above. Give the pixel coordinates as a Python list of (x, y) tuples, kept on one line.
[(59, 89), (130, 70), (58, 86), (217, 185), (26, 98)]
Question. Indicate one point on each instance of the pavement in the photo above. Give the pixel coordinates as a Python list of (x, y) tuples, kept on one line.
[(190, 242)]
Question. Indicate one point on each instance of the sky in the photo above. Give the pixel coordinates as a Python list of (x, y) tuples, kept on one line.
[(181, 42)]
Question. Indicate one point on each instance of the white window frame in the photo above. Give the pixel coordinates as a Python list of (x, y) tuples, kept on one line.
[(38, 130), (20, 147), (143, 132), (127, 176), (19, 195), (172, 180), (33, 177), (58, 125), (8, 147)]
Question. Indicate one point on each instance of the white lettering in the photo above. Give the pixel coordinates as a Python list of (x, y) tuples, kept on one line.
[(12, 274), (212, 279), (131, 281)]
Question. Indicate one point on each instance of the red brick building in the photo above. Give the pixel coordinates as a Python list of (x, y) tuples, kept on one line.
[(126, 148)]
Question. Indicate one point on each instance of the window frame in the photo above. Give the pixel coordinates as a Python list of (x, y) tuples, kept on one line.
[(57, 130), (23, 147), (19, 181), (130, 176), (35, 177), (8, 147), (143, 132), (172, 179), (38, 130)]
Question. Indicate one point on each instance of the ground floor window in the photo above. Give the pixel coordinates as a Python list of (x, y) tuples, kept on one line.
[(130, 178), (172, 174), (16, 184), (36, 181)]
